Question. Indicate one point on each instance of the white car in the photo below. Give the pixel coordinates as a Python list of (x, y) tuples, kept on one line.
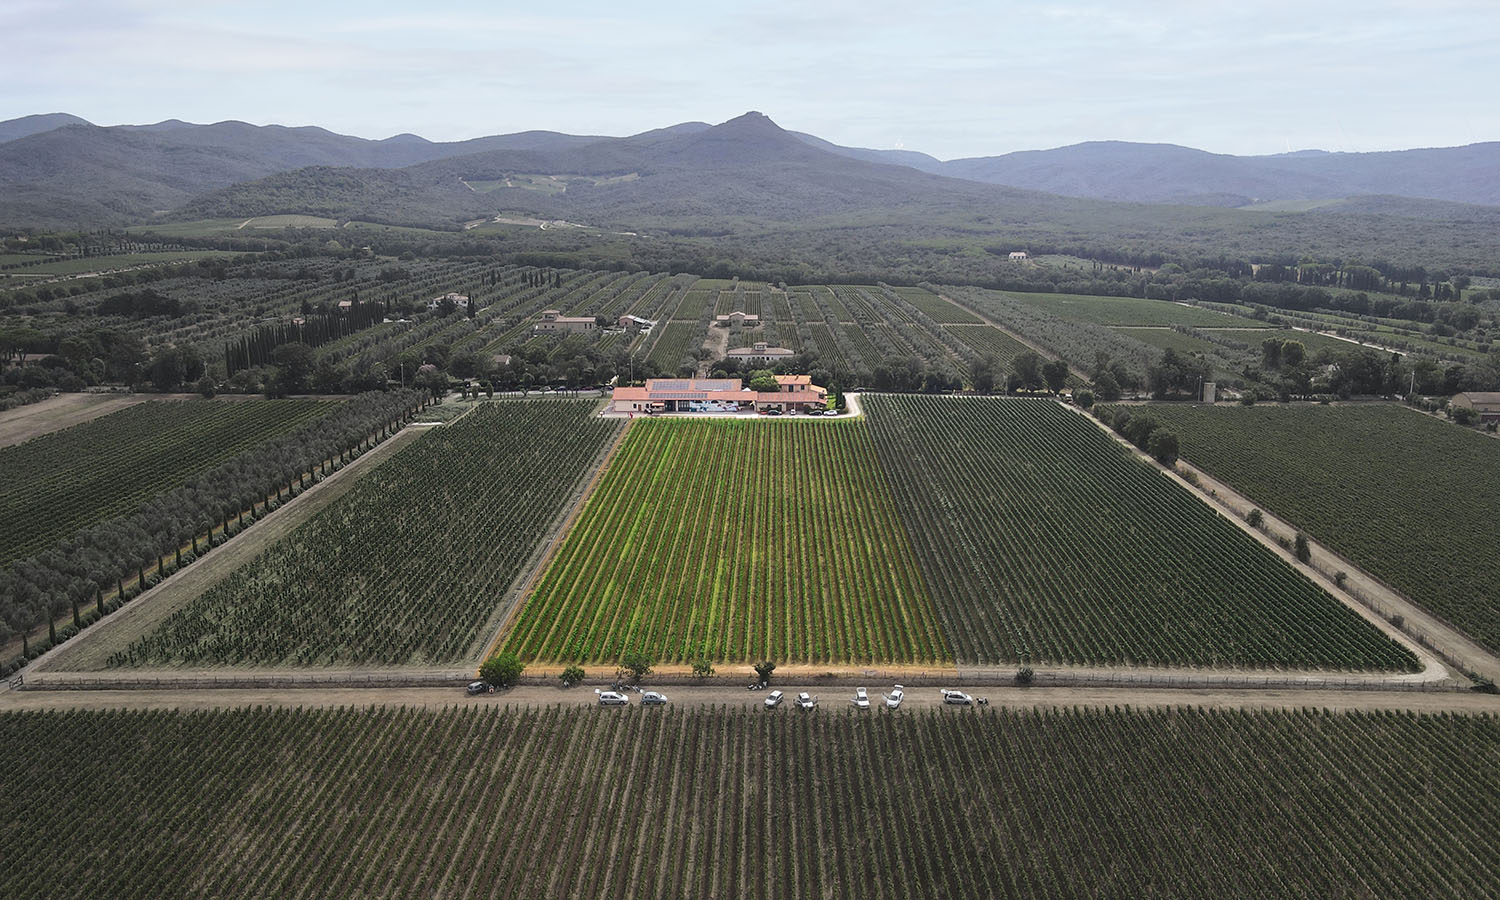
[(958, 698), (806, 700), (612, 698), (861, 698), (773, 699), (894, 698), (653, 698)]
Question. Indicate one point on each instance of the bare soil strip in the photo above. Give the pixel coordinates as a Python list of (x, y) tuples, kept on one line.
[(35, 419), (91, 649)]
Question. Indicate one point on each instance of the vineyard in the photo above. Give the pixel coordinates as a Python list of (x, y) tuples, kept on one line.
[(1043, 540), (589, 803), (1408, 498), (735, 541), (61, 482), (411, 563)]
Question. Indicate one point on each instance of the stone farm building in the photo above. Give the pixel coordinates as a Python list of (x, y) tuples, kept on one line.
[(1486, 403), (457, 299), (554, 322), (759, 353), (1018, 254), (795, 393), (738, 318)]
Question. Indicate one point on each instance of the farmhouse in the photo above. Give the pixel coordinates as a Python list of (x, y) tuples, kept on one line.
[(553, 322), (635, 322), (794, 393), (1018, 254), (738, 318), (1486, 403), (457, 299), (759, 353)]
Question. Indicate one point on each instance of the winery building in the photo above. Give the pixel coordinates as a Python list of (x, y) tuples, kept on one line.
[(1486, 403), (795, 393)]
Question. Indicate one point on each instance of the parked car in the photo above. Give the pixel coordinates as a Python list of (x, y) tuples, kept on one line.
[(653, 698), (612, 698), (479, 687), (861, 698), (773, 699), (806, 700), (894, 698), (958, 698)]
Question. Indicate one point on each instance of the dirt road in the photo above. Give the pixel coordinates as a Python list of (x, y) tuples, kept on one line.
[(832, 699)]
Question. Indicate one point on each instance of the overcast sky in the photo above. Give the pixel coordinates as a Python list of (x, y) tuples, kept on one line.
[(950, 79)]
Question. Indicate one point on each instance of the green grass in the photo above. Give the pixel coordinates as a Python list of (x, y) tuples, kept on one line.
[(1043, 540), (289, 221), (1409, 498), (410, 564), (105, 263), (1127, 310), (1314, 342), (61, 482), (736, 541), (577, 802)]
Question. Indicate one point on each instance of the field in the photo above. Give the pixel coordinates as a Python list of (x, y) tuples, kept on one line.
[(672, 346), (1408, 498), (289, 221), (1128, 311), (1043, 540), (936, 308), (1166, 338), (121, 261), (594, 803), (61, 482), (407, 567), (989, 341), (735, 541)]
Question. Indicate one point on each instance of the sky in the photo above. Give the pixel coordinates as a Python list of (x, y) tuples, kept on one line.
[(952, 79)]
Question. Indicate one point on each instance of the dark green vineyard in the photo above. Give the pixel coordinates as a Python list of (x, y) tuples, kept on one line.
[(1408, 498), (411, 563), (588, 803), (1044, 541)]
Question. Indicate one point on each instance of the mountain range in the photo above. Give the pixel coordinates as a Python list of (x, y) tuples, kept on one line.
[(696, 179)]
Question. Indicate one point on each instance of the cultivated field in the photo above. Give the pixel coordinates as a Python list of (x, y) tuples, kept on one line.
[(61, 482), (1408, 498), (1127, 311), (1043, 540), (735, 541), (591, 803), (409, 565)]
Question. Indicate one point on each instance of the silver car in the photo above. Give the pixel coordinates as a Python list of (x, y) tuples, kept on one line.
[(773, 699), (861, 699), (612, 698), (958, 698), (894, 698), (806, 700), (653, 698)]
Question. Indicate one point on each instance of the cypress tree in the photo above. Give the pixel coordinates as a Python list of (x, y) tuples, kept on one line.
[(99, 599), (25, 646), (51, 629), (141, 578), (77, 616)]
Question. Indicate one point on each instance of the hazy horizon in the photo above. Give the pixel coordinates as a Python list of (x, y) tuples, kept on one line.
[(979, 80)]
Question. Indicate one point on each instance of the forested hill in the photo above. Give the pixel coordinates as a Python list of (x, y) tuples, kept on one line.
[(1164, 173)]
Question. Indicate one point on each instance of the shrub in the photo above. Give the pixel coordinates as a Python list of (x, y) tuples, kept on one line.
[(702, 668), (571, 675), (1025, 675), (502, 669), (638, 664), (1303, 552), (763, 671), (1256, 518), (1340, 577)]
